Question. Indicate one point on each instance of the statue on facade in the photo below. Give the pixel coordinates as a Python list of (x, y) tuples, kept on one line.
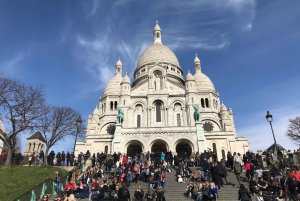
[(157, 83), (197, 114), (120, 116)]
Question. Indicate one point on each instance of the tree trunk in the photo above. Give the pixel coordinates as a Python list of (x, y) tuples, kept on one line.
[(45, 156), (9, 155)]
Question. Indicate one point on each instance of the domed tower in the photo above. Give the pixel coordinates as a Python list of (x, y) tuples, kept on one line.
[(109, 102), (158, 65), (125, 85), (190, 83)]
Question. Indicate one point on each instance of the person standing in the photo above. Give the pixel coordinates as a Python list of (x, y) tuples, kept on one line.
[(31, 158), (163, 180), (216, 177), (63, 158), (68, 155), (41, 156), (137, 171), (58, 179), (238, 171)]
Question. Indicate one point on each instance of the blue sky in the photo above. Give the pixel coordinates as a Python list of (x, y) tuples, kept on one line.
[(249, 49)]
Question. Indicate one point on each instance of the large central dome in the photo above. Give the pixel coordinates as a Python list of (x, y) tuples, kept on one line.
[(157, 51)]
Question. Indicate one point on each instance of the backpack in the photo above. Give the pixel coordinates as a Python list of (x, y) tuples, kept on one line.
[(237, 169), (106, 195), (293, 182), (125, 193), (110, 162), (95, 195)]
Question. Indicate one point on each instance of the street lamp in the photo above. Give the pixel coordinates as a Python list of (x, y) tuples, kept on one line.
[(269, 118), (78, 125)]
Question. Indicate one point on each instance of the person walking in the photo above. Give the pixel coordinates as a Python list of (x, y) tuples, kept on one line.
[(238, 171), (244, 194), (58, 179)]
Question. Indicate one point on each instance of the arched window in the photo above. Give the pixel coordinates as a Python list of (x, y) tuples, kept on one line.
[(111, 105), (223, 154), (138, 122), (116, 105), (33, 146), (29, 146), (157, 35), (158, 112), (202, 103), (192, 100), (104, 108), (178, 120), (124, 102), (106, 149), (215, 149), (206, 102)]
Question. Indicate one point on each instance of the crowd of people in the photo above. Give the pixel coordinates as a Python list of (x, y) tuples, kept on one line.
[(110, 176)]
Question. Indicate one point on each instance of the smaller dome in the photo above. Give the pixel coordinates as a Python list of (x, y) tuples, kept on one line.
[(196, 60), (157, 27), (126, 79), (223, 107), (96, 110), (113, 86), (119, 63), (203, 82), (189, 77)]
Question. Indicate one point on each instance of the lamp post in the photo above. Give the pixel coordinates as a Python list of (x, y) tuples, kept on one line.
[(269, 118), (78, 124)]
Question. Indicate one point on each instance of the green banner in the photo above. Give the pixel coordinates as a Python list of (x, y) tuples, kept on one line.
[(43, 190), (33, 196), (54, 186)]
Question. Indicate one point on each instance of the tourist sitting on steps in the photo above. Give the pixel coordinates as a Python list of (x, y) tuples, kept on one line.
[(244, 194)]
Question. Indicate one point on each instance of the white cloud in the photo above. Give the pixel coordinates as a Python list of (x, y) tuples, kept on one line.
[(12, 65)]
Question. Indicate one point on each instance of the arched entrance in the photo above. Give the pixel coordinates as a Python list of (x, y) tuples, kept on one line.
[(157, 148), (134, 147), (183, 146)]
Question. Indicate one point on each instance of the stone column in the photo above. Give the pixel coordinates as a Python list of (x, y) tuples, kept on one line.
[(166, 116), (117, 139), (184, 116), (202, 145)]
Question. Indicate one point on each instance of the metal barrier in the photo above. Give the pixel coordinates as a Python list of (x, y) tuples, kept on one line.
[(37, 190)]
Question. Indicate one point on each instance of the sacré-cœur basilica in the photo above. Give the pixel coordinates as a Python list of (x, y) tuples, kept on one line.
[(159, 107)]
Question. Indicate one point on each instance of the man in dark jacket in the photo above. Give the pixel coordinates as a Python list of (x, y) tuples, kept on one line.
[(123, 193), (139, 193)]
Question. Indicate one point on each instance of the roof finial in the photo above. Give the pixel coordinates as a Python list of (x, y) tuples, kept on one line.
[(222, 103), (156, 22), (188, 70), (126, 73), (196, 55)]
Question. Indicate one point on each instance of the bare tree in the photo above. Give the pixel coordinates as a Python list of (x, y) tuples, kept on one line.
[(57, 125), (293, 131), (20, 107)]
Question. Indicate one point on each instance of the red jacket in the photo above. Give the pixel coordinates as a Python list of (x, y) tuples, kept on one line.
[(70, 186), (296, 175)]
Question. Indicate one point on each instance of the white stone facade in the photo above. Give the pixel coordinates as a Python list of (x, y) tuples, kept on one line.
[(158, 110)]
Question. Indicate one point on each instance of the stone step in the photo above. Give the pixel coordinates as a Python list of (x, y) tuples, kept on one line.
[(176, 191)]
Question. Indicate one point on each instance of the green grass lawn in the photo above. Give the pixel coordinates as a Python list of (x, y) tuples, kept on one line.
[(16, 180)]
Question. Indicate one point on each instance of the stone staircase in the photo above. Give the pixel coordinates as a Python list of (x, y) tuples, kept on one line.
[(176, 191)]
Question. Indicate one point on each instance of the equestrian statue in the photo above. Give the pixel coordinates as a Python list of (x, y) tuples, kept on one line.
[(197, 114), (120, 116)]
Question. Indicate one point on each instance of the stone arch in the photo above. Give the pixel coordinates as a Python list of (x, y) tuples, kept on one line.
[(159, 99), (182, 145), (133, 147), (136, 102), (214, 121), (108, 125), (173, 102), (223, 152), (157, 68), (159, 139), (131, 139)]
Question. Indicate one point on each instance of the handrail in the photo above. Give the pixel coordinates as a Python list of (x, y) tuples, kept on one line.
[(38, 189)]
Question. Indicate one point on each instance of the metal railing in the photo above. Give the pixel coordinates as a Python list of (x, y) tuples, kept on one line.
[(37, 190)]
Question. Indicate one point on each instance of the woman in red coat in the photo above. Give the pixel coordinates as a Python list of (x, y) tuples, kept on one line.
[(124, 160)]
